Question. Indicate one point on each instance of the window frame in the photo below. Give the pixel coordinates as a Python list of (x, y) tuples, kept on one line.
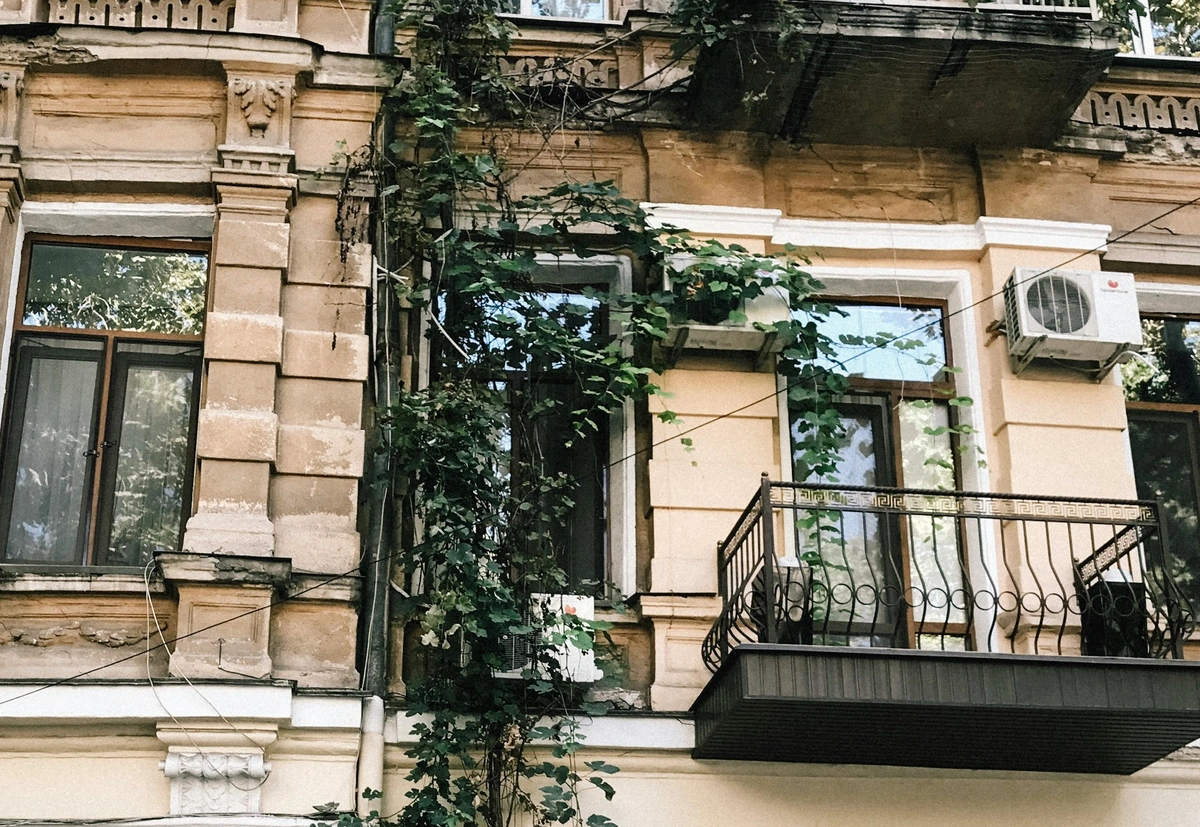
[(105, 405)]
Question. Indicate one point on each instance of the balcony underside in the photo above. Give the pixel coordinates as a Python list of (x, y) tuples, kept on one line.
[(959, 710), (891, 75)]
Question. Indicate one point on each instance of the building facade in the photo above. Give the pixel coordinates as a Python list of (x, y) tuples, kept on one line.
[(1001, 632)]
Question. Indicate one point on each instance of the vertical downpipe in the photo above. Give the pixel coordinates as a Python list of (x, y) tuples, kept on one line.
[(370, 754), (768, 535)]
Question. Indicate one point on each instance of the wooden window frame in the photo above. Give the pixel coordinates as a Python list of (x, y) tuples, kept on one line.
[(90, 556)]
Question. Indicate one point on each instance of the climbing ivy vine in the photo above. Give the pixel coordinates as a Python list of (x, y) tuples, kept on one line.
[(520, 362)]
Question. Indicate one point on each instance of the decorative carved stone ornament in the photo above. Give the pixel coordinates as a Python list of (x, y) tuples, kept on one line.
[(259, 110), (259, 100), (215, 782)]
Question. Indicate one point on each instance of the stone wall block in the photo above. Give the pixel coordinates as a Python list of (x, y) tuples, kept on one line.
[(311, 449), (315, 547), (240, 337), (323, 355), (319, 307), (319, 261), (252, 244), (237, 435)]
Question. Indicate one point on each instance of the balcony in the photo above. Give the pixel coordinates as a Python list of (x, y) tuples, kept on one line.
[(947, 629), (1004, 74)]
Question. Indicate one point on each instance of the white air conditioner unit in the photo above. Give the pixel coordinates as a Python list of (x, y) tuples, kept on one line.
[(1087, 319), (573, 664)]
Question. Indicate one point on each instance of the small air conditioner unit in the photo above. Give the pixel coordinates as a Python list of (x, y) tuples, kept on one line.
[(572, 663), (1087, 319)]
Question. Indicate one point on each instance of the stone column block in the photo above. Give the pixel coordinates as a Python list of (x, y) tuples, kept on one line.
[(236, 645), (241, 386), (231, 517), (252, 290), (252, 244), (237, 435), (322, 355), (241, 337)]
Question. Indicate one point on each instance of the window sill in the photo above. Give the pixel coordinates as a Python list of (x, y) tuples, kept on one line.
[(115, 580)]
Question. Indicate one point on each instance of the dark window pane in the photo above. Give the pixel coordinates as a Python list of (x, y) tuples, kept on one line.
[(110, 289), (1168, 371), (917, 355), (47, 486), (152, 466), (1165, 450), (547, 446)]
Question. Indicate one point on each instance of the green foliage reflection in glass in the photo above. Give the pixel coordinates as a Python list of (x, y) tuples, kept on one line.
[(99, 288), (1168, 371), (877, 341)]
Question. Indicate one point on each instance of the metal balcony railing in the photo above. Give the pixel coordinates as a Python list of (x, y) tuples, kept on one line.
[(1081, 7), (902, 568)]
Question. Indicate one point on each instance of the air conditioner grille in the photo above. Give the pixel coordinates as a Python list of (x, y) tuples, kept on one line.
[(1058, 305)]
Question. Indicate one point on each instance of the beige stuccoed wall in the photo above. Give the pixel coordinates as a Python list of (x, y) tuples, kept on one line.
[(95, 772), (667, 787)]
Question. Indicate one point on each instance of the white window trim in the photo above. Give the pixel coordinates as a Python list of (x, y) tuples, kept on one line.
[(617, 272), (1159, 297)]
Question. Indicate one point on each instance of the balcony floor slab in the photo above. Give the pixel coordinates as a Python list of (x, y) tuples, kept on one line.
[(955, 710)]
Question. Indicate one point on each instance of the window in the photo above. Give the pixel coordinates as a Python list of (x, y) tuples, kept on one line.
[(578, 9), (1162, 390), (886, 581), (101, 412)]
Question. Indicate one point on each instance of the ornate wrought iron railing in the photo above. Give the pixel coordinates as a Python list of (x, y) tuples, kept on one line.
[(903, 568)]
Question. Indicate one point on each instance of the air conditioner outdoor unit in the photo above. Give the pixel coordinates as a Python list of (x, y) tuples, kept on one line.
[(1087, 319), (573, 664)]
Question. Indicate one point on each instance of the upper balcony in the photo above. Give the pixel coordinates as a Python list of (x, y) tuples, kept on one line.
[(941, 73), (947, 629)]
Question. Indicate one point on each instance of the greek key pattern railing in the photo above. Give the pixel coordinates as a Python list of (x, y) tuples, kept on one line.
[(949, 503), (1133, 111), (909, 568), (197, 15)]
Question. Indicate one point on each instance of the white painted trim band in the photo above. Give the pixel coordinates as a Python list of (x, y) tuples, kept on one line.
[(876, 235), (605, 732), (126, 702)]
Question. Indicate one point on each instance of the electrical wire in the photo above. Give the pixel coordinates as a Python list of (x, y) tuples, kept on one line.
[(384, 558)]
